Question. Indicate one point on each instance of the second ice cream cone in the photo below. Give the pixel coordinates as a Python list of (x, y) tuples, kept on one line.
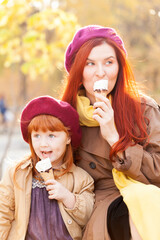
[(47, 175)]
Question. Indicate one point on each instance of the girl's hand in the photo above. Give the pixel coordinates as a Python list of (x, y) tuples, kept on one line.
[(57, 191), (104, 115)]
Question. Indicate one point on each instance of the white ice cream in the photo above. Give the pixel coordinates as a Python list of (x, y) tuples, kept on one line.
[(43, 165), (101, 85)]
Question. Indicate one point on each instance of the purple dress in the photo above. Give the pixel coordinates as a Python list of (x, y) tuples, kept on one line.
[(45, 220)]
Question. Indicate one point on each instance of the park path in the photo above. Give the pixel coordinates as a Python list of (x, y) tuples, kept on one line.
[(17, 148)]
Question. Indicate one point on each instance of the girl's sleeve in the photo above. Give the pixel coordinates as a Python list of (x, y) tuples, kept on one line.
[(145, 160), (6, 204), (83, 190)]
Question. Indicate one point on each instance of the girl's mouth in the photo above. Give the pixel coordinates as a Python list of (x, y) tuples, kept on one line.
[(46, 154)]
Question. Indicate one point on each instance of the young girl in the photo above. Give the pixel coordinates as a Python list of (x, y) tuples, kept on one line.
[(60, 207)]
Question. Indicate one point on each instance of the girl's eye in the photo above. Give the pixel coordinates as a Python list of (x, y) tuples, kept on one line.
[(36, 135), (51, 136)]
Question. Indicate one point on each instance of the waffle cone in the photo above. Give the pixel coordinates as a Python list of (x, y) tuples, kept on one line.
[(103, 93), (47, 175)]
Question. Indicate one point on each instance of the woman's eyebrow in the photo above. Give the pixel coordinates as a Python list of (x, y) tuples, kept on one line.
[(104, 58)]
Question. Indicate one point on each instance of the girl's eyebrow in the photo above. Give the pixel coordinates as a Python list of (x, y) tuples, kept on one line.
[(88, 59)]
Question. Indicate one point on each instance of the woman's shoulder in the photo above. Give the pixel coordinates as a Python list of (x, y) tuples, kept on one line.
[(149, 102), (152, 109)]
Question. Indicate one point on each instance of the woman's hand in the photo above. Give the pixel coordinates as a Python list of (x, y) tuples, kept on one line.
[(57, 191), (104, 115), (122, 164)]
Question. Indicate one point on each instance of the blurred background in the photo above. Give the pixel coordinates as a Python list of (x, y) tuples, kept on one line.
[(33, 39)]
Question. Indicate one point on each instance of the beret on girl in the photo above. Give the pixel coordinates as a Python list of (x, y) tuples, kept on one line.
[(51, 106), (86, 33)]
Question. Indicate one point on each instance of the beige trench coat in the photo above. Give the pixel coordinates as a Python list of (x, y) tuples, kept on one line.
[(15, 202), (145, 167)]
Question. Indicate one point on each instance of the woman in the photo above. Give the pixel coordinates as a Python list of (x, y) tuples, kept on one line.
[(120, 131)]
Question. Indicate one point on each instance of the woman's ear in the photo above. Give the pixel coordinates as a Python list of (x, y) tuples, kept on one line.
[(68, 140)]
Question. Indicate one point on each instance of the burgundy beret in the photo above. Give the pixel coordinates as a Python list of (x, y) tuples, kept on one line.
[(51, 106), (86, 33)]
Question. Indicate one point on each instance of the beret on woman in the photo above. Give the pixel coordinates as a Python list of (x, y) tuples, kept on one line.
[(86, 33), (51, 106)]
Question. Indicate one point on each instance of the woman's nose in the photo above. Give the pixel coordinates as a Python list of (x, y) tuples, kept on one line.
[(100, 71)]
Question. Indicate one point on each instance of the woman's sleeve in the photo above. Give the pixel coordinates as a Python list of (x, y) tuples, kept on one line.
[(6, 204), (145, 160), (83, 190)]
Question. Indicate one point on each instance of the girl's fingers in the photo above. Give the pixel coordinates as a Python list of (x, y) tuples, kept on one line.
[(51, 192), (50, 182), (50, 186), (51, 197)]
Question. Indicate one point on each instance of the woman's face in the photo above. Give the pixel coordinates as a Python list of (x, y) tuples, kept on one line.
[(101, 64)]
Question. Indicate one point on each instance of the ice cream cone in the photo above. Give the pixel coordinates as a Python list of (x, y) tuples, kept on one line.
[(47, 175), (101, 87), (103, 93), (44, 167)]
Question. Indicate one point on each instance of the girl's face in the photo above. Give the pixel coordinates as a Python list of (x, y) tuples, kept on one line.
[(50, 144), (101, 64)]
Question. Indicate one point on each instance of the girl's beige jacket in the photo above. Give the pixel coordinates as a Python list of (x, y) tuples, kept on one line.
[(15, 202)]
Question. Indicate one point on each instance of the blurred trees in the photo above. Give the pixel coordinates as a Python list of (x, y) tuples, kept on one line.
[(33, 39), (138, 22), (34, 36)]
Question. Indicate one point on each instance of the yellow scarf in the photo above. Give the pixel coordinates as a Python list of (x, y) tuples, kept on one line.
[(85, 111), (143, 201)]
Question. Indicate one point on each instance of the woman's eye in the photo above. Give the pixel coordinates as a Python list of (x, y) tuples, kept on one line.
[(89, 63), (108, 62)]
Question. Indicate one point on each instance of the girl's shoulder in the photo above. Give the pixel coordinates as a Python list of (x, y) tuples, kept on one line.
[(16, 166), (81, 173)]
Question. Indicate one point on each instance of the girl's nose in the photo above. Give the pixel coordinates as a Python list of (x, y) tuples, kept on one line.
[(100, 71), (43, 142)]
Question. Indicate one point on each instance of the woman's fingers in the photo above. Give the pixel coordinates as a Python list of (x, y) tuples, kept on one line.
[(101, 99), (103, 111), (99, 112)]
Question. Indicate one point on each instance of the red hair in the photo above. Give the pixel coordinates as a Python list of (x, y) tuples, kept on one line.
[(45, 123), (128, 111)]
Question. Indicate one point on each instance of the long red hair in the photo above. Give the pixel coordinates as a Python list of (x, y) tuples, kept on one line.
[(45, 123), (128, 112)]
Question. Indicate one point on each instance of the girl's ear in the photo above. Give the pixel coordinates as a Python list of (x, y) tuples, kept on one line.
[(68, 140)]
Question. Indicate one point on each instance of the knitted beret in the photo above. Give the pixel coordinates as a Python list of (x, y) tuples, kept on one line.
[(51, 106), (86, 33)]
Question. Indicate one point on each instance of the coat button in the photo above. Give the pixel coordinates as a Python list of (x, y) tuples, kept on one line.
[(69, 221), (92, 165)]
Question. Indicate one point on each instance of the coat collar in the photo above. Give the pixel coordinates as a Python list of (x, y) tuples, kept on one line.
[(27, 163)]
